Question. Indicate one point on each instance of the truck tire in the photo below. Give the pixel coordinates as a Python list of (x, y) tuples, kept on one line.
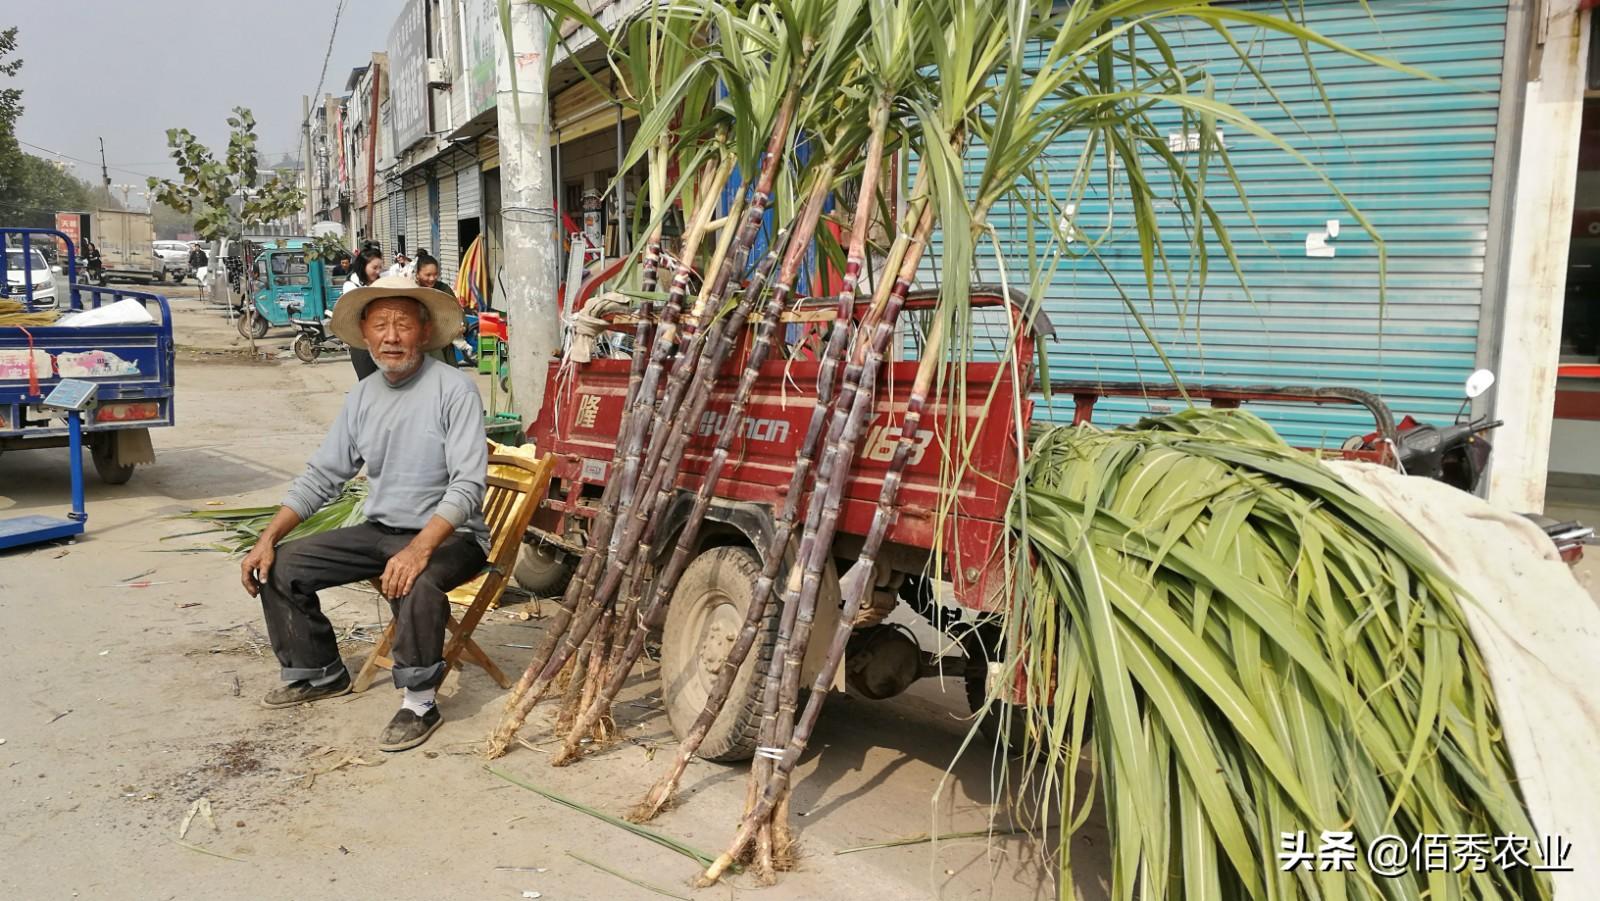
[(306, 349), (541, 570), (982, 643), (251, 326), (703, 620), (111, 471)]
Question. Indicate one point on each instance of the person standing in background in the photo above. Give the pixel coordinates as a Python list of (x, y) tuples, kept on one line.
[(368, 268), (91, 256), (428, 277), (402, 268), (197, 260)]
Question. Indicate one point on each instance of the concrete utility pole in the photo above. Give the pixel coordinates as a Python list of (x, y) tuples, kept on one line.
[(1530, 346), (305, 166), (527, 218)]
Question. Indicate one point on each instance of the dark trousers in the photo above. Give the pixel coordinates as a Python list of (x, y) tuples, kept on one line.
[(363, 362), (301, 635)]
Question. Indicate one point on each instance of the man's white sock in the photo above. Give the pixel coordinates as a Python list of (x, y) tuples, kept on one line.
[(418, 700)]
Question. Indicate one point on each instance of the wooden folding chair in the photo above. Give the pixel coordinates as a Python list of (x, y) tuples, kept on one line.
[(517, 483)]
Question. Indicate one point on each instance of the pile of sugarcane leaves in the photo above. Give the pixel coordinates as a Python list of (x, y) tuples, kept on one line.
[(1247, 648), (242, 525)]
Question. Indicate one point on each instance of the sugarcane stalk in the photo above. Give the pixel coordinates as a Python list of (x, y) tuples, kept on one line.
[(647, 406), (639, 531), (858, 581), (688, 535), (836, 461), (642, 377), (762, 598), (572, 690), (599, 537), (832, 472), (597, 660), (776, 726), (622, 629), (641, 528)]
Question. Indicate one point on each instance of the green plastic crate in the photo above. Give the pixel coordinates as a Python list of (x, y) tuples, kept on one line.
[(504, 428), (488, 353)]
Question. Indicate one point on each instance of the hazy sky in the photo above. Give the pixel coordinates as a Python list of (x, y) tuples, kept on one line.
[(129, 71)]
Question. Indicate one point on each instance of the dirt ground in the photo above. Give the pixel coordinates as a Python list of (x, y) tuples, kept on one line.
[(136, 667)]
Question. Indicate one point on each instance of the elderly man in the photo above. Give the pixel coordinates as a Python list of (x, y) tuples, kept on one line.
[(419, 431)]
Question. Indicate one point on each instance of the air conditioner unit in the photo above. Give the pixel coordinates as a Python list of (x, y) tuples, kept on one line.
[(438, 73)]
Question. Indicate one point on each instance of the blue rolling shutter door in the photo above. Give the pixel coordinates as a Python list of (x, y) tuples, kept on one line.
[(1415, 157)]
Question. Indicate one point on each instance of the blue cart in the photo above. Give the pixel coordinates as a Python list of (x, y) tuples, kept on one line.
[(131, 366)]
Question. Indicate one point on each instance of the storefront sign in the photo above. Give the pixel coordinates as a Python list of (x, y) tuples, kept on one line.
[(481, 26), (408, 76)]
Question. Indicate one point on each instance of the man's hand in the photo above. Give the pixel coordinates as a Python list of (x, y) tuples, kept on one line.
[(403, 569), (257, 564)]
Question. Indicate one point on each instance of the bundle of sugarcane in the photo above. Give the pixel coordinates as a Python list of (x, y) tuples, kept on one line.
[(14, 312), (810, 99), (1252, 652), (243, 525)]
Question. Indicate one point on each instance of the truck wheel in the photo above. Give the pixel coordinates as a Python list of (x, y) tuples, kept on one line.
[(703, 620), (105, 462), (252, 326), (985, 642), (306, 349), (541, 570)]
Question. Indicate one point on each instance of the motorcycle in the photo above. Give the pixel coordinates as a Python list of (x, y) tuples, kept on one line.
[(1458, 455), (315, 338)]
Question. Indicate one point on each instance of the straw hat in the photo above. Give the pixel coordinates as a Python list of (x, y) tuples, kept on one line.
[(443, 311)]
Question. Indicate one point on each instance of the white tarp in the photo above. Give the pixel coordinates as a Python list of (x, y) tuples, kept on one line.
[(123, 312), (1539, 633)]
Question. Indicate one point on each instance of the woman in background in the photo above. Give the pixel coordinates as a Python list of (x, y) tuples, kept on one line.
[(368, 266), (428, 277)]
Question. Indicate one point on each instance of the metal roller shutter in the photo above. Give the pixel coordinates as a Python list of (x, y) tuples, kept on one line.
[(416, 218), (469, 194), (445, 246), (1414, 156)]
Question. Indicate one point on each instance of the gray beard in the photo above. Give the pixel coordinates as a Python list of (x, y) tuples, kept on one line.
[(403, 368)]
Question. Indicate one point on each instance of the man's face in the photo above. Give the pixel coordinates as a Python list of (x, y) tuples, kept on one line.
[(395, 334)]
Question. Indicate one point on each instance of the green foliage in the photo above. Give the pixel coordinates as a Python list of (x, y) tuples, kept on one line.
[(327, 248), (37, 190), (32, 189), (1247, 647), (10, 98), (169, 223), (242, 525), (229, 195)]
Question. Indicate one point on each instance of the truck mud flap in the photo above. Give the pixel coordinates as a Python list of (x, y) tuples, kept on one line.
[(131, 447)]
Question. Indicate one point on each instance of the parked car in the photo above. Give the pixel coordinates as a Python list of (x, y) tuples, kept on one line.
[(174, 259), (42, 276)]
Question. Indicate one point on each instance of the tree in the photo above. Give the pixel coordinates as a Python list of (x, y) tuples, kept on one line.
[(40, 190), (169, 223), (12, 162), (229, 195), (32, 188)]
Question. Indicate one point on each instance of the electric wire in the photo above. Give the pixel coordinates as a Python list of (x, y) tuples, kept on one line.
[(305, 123)]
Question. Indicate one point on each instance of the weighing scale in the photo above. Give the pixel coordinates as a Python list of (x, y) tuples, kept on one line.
[(74, 397)]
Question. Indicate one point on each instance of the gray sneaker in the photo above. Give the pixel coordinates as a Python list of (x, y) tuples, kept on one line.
[(303, 692)]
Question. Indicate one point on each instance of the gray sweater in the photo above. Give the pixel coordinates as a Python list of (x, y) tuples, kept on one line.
[(423, 445)]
